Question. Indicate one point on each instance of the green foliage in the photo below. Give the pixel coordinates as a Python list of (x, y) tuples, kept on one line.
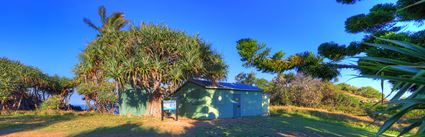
[(52, 103), (408, 9), (408, 76), (347, 1), (251, 79), (383, 20), (148, 57), (20, 83), (347, 87), (367, 92), (305, 91), (411, 10), (257, 55), (380, 15), (114, 22), (264, 84), (246, 78)]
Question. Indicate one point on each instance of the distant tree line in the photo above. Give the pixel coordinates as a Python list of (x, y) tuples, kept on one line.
[(25, 87)]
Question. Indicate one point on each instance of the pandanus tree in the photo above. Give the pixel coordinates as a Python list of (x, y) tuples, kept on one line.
[(91, 81), (153, 58), (25, 87), (17, 81), (408, 76)]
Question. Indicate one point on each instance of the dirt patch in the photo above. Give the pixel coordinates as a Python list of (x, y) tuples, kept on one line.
[(171, 126), (35, 134)]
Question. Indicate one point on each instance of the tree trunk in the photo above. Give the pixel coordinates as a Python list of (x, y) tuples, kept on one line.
[(2, 107), (43, 96), (36, 99), (19, 103), (87, 103), (154, 105)]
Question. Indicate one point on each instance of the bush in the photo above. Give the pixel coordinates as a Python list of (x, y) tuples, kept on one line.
[(52, 103), (369, 92), (306, 91)]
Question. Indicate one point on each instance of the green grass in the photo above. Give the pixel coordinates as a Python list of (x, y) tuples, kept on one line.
[(280, 123)]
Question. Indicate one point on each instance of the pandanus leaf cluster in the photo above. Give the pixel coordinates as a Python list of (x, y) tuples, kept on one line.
[(25, 87), (409, 89), (149, 57)]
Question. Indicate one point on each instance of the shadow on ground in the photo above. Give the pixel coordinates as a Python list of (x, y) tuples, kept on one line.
[(280, 123), (126, 130), (285, 125), (12, 124)]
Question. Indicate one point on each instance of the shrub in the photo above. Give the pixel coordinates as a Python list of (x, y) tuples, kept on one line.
[(52, 103), (306, 91), (369, 92)]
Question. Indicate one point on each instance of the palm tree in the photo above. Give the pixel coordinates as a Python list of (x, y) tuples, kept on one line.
[(114, 22)]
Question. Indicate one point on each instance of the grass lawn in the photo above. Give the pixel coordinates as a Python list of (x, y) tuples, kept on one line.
[(283, 122)]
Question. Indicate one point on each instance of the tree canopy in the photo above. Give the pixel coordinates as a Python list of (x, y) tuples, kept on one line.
[(386, 20), (25, 87), (257, 55), (148, 57)]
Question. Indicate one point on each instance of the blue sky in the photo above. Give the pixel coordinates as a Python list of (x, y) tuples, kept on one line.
[(50, 34)]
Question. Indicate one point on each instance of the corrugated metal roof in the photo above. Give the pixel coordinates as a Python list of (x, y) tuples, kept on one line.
[(225, 85)]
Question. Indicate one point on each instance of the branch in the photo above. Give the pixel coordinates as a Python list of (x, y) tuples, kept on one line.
[(346, 66)]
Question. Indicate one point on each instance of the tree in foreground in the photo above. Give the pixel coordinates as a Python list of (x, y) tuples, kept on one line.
[(152, 58), (408, 77), (386, 20)]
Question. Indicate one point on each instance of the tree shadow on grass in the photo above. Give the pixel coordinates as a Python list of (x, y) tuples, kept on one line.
[(282, 125), (12, 123), (291, 125), (125, 130)]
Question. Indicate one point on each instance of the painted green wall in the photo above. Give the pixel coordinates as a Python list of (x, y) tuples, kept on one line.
[(201, 103), (133, 102)]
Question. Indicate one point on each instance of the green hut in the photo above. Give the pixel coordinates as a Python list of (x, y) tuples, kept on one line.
[(200, 100)]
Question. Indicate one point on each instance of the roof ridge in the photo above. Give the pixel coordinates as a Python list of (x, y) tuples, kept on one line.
[(225, 85)]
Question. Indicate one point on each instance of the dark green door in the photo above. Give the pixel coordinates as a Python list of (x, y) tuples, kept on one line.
[(236, 105)]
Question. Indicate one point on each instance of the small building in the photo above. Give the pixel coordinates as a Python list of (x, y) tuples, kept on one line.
[(198, 99)]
